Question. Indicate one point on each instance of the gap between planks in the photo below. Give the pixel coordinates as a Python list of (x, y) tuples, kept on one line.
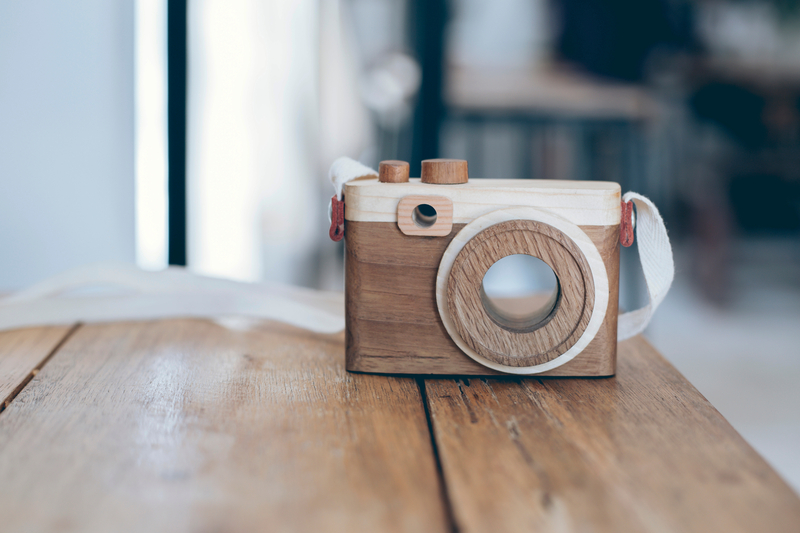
[(27, 379), (447, 503)]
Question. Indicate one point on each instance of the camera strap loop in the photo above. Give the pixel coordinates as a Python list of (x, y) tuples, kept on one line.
[(655, 254), (343, 170), (336, 232), (176, 292), (626, 224)]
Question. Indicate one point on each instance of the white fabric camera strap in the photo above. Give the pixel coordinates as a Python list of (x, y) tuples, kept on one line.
[(655, 254), (345, 169), (117, 292)]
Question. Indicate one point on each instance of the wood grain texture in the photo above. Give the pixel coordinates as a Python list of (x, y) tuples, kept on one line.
[(585, 203), (643, 451), (183, 425), (521, 342), (392, 171), (393, 325), (444, 171), (22, 352), (409, 224)]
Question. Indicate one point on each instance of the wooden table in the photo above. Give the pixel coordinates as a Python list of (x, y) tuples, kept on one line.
[(184, 425)]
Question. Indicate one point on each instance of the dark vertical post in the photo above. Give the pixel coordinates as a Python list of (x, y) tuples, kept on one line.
[(176, 129), (429, 19)]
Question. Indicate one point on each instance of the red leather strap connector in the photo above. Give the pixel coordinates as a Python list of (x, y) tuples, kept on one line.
[(337, 219), (626, 224)]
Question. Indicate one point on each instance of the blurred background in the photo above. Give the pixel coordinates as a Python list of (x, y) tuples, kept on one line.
[(200, 133)]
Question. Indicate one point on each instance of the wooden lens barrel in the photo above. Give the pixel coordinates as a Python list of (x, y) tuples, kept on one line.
[(521, 343)]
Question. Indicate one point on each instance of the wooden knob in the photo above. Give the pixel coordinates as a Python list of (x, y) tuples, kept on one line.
[(393, 172), (444, 171)]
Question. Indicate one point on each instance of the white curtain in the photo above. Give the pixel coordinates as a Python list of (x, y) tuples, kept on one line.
[(253, 207), (272, 101)]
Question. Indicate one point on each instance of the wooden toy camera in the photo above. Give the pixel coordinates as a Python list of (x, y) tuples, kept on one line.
[(417, 251)]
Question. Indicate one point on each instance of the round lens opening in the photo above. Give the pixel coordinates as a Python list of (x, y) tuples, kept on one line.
[(424, 216), (520, 292)]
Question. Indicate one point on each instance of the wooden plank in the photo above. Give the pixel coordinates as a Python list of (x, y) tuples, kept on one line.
[(22, 353), (640, 452), (187, 426)]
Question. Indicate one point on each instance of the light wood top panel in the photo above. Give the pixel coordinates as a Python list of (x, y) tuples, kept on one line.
[(186, 426), (591, 203), (22, 352), (640, 452)]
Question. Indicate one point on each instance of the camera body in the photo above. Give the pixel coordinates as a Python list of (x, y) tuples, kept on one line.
[(416, 254)]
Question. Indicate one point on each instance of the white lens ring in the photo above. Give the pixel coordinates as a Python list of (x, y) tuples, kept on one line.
[(584, 243)]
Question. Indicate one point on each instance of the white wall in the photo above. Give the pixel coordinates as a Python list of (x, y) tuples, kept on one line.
[(66, 136)]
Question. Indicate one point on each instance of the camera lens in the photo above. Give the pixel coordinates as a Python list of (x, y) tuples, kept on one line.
[(520, 291)]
